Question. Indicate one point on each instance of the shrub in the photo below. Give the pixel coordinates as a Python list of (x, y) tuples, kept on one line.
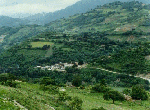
[(138, 92), (50, 88), (11, 84), (63, 96), (101, 108), (76, 104), (77, 81), (82, 87), (114, 95), (47, 81), (99, 88), (127, 91)]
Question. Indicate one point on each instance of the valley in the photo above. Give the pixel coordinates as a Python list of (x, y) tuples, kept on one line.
[(97, 60)]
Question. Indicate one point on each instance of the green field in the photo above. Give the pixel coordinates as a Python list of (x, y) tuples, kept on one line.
[(31, 97), (40, 44), (95, 100)]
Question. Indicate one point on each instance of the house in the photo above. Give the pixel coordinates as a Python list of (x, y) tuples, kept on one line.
[(59, 67)]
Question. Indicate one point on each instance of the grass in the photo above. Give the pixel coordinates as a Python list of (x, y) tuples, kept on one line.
[(30, 55), (49, 52), (95, 100), (41, 44), (67, 49), (31, 97), (5, 103), (120, 89)]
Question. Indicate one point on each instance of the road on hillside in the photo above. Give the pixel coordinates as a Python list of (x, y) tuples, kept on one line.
[(121, 73)]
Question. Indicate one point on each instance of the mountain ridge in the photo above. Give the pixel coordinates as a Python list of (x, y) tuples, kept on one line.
[(79, 7), (12, 22)]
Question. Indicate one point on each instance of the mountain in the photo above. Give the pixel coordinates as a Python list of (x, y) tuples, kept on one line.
[(10, 36), (127, 21), (8, 21), (107, 46), (117, 20), (79, 7), (116, 27)]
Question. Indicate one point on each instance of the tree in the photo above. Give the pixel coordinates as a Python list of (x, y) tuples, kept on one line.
[(47, 81), (102, 87), (103, 82), (3, 77), (127, 91), (6, 76), (138, 92), (76, 104), (114, 95), (29, 46), (81, 62), (45, 47), (77, 81), (101, 108)]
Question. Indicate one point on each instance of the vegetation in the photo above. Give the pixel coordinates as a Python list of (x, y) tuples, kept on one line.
[(114, 95), (123, 21), (31, 96), (110, 52), (139, 93)]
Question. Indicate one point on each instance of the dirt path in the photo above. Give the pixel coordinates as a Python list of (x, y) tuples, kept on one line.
[(50, 107), (142, 77), (19, 105)]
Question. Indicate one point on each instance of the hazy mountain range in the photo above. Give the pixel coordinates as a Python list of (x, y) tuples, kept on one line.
[(44, 18), (8, 21), (79, 7)]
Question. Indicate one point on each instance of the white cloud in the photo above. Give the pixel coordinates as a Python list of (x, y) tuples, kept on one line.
[(26, 8), (2, 2), (23, 8)]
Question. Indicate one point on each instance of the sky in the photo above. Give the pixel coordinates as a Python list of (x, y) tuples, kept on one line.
[(26, 7)]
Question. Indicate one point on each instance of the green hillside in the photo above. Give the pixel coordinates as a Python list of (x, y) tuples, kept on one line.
[(106, 48), (128, 21), (11, 22), (97, 48), (123, 21), (16, 35), (49, 97)]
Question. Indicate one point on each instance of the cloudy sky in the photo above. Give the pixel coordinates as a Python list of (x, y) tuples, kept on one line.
[(15, 7)]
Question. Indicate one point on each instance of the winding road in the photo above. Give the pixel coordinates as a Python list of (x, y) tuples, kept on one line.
[(121, 73)]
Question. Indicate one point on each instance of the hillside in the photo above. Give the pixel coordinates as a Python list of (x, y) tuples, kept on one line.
[(104, 31), (127, 21), (47, 96), (10, 36), (10, 22), (91, 61), (119, 21), (79, 7)]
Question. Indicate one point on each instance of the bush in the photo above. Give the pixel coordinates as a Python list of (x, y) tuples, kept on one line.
[(82, 87), (11, 84), (127, 91), (50, 88), (114, 95), (139, 93), (47, 81), (63, 96), (101, 108), (99, 88), (76, 104), (77, 81)]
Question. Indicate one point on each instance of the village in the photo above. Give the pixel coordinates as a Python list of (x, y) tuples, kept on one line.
[(61, 66)]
